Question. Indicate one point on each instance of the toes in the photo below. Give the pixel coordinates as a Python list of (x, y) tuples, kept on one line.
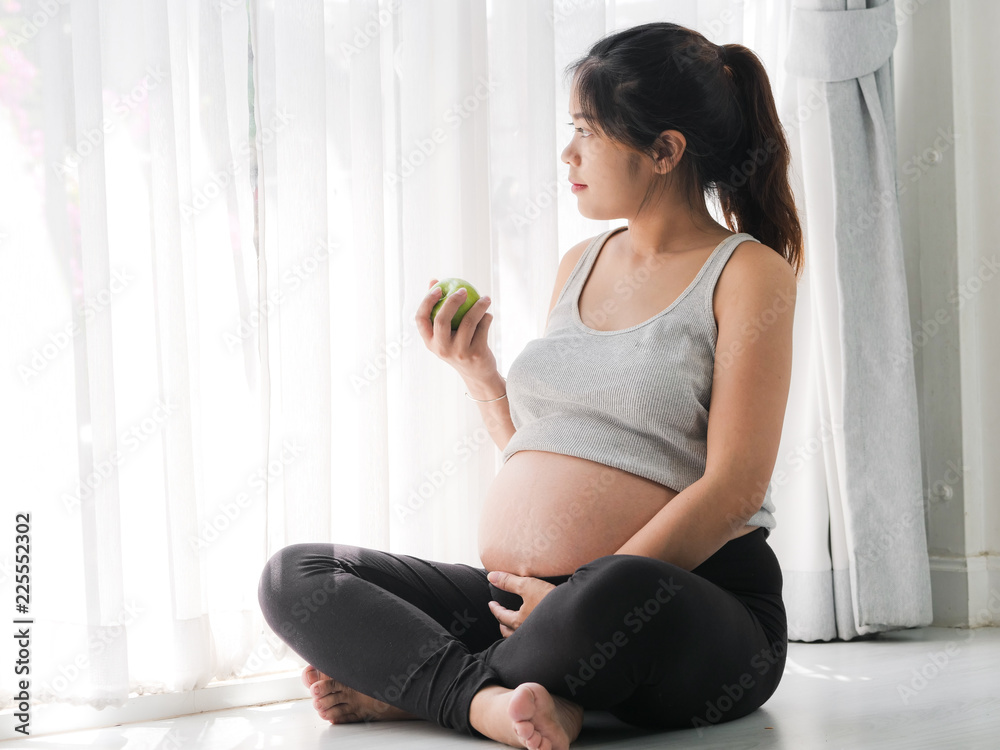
[(340, 714), (328, 686), (528, 734), (323, 702), (525, 731), (309, 676)]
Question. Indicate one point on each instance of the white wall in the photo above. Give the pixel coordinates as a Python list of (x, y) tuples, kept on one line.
[(947, 110)]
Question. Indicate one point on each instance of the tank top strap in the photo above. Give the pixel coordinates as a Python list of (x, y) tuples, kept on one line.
[(720, 257), (572, 287)]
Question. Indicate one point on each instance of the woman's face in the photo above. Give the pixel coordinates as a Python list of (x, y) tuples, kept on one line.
[(611, 192)]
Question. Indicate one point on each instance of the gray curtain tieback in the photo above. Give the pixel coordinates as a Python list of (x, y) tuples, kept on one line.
[(838, 45)]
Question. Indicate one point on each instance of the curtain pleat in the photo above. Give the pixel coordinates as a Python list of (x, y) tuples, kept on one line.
[(858, 562), (439, 472), (174, 278), (100, 514), (297, 250), (355, 138)]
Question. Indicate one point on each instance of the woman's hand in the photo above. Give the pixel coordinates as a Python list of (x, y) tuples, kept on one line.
[(465, 348), (531, 590)]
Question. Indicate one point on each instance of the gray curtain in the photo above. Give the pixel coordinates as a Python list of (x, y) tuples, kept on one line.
[(852, 546)]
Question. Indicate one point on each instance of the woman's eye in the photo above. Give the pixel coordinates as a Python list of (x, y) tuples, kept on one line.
[(580, 130)]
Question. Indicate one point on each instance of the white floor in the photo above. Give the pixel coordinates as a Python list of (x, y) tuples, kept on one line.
[(918, 688)]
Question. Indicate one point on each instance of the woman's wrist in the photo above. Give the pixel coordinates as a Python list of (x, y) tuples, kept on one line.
[(485, 389)]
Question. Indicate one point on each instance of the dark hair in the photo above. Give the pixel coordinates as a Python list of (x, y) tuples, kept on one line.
[(635, 83)]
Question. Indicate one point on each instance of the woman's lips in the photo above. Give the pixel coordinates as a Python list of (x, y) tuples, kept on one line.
[(575, 186)]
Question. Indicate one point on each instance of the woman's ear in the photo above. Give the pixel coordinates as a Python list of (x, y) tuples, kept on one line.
[(669, 149)]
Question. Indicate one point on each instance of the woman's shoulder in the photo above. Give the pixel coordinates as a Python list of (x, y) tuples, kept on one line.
[(753, 261), (753, 269)]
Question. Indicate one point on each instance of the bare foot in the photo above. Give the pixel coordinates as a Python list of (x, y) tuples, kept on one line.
[(527, 716), (340, 704)]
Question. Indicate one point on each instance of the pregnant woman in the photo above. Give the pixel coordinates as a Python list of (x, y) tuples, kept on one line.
[(624, 539)]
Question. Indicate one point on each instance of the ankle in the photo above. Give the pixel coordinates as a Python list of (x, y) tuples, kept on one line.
[(482, 701)]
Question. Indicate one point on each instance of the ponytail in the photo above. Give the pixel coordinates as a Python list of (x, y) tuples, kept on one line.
[(754, 194)]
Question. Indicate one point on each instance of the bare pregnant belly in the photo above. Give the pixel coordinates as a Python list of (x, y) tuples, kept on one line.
[(546, 514)]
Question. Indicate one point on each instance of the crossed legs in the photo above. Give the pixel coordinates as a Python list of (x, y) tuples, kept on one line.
[(639, 637)]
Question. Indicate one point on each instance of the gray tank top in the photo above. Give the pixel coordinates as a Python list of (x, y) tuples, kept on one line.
[(636, 399)]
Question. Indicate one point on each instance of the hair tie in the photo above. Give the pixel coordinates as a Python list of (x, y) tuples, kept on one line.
[(724, 58)]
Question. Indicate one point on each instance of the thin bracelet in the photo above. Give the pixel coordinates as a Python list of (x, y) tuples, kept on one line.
[(486, 401)]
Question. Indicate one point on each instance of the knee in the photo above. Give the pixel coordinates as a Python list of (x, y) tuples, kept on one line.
[(629, 580), (299, 578), (277, 579)]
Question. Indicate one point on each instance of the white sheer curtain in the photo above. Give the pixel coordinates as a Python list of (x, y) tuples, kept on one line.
[(135, 434), (218, 220)]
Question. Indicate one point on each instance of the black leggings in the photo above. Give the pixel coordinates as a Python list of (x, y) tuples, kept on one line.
[(655, 645)]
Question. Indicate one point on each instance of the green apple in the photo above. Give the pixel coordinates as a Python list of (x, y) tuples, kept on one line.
[(448, 287)]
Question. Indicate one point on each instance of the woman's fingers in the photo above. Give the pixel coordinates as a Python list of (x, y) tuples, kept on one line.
[(466, 333), (442, 321), (423, 314), (505, 617), (483, 330)]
